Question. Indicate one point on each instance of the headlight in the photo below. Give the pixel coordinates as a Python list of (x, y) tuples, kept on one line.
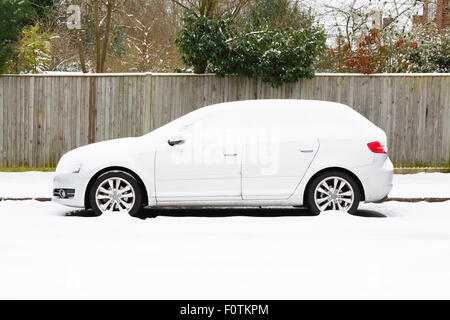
[(68, 167), (76, 168)]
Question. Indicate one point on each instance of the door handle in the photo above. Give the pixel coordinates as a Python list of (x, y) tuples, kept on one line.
[(175, 141), (230, 154), (306, 150)]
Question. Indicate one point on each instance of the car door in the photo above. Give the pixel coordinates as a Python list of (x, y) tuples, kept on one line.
[(197, 163), (275, 163)]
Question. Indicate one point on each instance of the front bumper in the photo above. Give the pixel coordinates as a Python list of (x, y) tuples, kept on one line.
[(76, 184)]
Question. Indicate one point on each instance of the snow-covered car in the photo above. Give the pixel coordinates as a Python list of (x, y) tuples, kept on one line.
[(322, 155)]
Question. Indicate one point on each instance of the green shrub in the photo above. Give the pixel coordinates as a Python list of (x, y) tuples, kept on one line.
[(35, 50), (13, 14), (276, 55)]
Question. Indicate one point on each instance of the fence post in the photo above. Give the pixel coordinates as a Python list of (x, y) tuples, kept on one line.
[(148, 104), (92, 109)]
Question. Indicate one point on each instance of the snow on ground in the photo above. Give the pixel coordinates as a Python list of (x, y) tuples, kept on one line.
[(421, 185), (39, 185), (251, 254), (28, 184), (388, 250)]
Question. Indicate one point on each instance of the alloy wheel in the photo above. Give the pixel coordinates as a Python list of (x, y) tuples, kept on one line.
[(115, 195), (334, 193)]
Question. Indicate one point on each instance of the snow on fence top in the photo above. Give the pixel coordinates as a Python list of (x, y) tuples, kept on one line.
[(142, 74)]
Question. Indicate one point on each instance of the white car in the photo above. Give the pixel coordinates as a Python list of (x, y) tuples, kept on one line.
[(321, 155)]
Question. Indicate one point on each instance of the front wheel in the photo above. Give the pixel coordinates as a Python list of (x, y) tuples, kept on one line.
[(333, 190), (116, 192)]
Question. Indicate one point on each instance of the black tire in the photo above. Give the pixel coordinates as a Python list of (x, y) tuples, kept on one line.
[(137, 205), (310, 192)]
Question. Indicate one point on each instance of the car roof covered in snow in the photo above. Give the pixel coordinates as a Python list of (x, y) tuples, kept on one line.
[(300, 105), (318, 112), (323, 119)]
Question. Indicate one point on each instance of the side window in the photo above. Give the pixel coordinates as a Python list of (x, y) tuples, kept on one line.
[(218, 120), (220, 129), (184, 124)]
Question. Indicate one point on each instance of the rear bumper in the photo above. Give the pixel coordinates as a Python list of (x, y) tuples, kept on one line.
[(376, 180), (70, 181)]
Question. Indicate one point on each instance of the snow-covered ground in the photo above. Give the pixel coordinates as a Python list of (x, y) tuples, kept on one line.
[(26, 184), (45, 253), (388, 250), (421, 185), (39, 185)]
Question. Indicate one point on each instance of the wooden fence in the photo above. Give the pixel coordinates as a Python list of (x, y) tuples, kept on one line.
[(43, 116)]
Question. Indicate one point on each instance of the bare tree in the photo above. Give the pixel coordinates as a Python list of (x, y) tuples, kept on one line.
[(352, 18), (81, 54), (100, 12), (213, 8), (152, 26)]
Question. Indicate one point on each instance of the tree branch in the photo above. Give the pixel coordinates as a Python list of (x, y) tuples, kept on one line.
[(97, 36), (107, 30), (185, 7), (81, 52)]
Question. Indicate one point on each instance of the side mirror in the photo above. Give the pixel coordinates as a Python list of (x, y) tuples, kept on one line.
[(175, 140)]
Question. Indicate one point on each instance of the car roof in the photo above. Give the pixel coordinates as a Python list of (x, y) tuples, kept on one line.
[(287, 104), (336, 118), (326, 111), (277, 103)]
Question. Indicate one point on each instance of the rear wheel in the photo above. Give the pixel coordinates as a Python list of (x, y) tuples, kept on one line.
[(116, 192), (333, 190)]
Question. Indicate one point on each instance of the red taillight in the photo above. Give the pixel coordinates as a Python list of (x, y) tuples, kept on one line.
[(376, 147)]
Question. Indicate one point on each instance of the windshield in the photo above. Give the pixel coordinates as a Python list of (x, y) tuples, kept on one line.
[(181, 123)]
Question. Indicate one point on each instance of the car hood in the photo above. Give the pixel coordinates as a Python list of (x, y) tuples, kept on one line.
[(109, 147), (92, 153)]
